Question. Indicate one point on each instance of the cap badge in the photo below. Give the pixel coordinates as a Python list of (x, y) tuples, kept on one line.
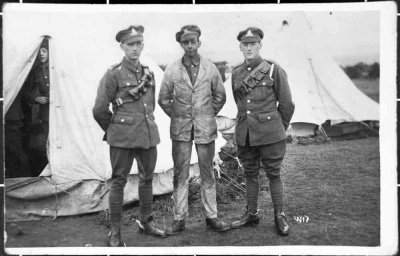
[(249, 33)]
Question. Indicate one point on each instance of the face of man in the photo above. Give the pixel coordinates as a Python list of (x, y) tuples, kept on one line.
[(43, 55), (132, 50), (250, 50), (191, 46)]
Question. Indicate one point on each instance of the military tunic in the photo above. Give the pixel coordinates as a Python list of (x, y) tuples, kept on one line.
[(264, 113), (132, 124), (39, 85)]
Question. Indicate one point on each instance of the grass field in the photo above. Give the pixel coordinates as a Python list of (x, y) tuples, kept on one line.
[(336, 185)]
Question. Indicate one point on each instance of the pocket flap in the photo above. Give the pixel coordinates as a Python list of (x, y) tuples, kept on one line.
[(258, 75), (123, 119), (266, 82), (265, 117), (127, 83)]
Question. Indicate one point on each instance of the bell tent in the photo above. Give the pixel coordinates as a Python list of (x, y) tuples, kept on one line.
[(81, 49), (320, 88)]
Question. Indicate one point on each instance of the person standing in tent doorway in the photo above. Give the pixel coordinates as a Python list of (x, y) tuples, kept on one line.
[(265, 108), (191, 94), (130, 129), (39, 88)]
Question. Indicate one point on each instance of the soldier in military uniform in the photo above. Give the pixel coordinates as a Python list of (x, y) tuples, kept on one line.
[(130, 129), (265, 107), (192, 94), (38, 86)]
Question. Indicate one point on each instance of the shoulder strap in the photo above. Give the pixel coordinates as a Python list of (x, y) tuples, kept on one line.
[(114, 66), (147, 70), (238, 65), (271, 70)]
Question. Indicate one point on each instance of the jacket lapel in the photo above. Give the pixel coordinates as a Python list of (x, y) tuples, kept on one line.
[(202, 72), (185, 75)]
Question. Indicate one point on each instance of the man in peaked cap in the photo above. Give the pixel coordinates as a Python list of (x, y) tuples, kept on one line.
[(130, 129), (38, 89), (265, 108), (192, 94)]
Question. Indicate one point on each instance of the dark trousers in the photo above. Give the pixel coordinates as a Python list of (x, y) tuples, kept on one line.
[(181, 154), (16, 159), (271, 156), (121, 162)]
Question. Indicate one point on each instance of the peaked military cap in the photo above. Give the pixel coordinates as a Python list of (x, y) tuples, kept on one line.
[(188, 32), (250, 34), (44, 44), (130, 35)]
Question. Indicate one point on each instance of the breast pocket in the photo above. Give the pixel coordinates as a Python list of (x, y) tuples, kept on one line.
[(123, 119), (263, 90), (124, 83)]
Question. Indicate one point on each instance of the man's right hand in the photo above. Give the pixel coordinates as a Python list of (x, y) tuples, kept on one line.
[(42, 100)]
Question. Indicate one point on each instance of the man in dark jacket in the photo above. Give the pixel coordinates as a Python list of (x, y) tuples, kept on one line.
[(192, 94), (130, 129), (265, 107), (39, 83), (38, 86)]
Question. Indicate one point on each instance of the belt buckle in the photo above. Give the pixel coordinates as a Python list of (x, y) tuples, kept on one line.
[(118, 102)]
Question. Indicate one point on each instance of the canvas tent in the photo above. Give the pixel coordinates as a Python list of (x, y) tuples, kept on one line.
[(81, 50), (320, 88)]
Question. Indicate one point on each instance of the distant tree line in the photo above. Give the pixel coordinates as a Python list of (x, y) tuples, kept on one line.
[(362, 70)]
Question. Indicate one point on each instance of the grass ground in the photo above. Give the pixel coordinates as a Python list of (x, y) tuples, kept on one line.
[(336, 185)]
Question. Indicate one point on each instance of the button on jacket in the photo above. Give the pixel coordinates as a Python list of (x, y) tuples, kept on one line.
[(132, 124), (191, 105), (266, 111)]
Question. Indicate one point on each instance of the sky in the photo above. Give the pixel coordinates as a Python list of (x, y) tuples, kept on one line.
[(350, 35)]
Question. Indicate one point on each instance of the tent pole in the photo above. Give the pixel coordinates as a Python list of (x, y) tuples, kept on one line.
[(291, 132), (366, 125), (324, 133)]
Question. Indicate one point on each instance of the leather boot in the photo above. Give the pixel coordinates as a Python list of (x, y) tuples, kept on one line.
[(114, 239), (176, 227), (248, 219), (217, 224), (149, 228), (281, 224)]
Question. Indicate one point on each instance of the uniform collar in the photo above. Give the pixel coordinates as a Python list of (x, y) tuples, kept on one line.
[(43, 65), (254, 63), (188, 61), (130, 66)]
